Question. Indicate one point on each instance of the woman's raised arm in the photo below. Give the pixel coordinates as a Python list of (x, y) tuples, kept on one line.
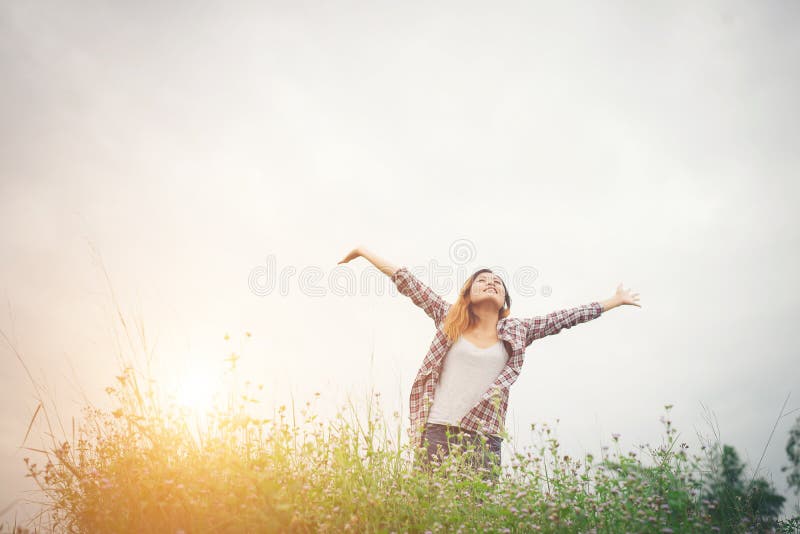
[(407, 284), (553, 323), (384, 266)]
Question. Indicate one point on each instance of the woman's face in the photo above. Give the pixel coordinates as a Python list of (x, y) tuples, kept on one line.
[(488, 287)]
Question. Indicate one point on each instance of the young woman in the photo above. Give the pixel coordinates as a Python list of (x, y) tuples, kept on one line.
[(459, 397)]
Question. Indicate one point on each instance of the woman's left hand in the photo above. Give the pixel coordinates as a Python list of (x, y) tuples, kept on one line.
[(624, 296)]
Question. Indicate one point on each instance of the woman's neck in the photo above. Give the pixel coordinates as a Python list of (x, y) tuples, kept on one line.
[(484, 323)]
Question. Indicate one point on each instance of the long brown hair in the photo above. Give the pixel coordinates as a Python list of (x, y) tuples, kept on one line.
[(460, 316)]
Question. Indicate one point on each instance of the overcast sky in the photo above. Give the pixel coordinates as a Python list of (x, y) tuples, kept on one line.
[(185, 147)]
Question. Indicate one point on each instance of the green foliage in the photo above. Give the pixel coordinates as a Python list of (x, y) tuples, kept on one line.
[(793, 452), (738, 503)]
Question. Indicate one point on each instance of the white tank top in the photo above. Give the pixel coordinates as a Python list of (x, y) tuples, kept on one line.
[(467, 372)]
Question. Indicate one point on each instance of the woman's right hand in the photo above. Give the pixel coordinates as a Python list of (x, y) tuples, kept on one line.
[(353, 254), (381, 264)]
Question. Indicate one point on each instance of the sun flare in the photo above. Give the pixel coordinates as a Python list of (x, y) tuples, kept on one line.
[(197, 390)]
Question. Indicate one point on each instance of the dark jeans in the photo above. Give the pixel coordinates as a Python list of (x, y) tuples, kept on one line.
[(440, 440)]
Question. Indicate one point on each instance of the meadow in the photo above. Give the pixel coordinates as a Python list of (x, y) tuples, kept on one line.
[(146, 465)]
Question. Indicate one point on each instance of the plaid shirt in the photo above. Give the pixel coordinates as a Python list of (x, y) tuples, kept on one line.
[(488, 415)]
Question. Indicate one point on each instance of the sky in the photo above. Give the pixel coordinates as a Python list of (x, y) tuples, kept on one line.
[(156, 160)]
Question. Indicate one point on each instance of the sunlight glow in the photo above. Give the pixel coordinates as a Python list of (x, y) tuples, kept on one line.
[(197, 390)]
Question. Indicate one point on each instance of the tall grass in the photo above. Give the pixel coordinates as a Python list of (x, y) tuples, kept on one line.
[(141, 466)]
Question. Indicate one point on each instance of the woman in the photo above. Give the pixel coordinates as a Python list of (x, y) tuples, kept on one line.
[(460, 395)]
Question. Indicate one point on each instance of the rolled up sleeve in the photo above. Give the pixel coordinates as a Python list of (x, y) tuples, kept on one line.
[(420, 294), (553, 323)]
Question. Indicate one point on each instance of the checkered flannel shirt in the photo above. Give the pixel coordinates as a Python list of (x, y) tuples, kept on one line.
[(488, 414)]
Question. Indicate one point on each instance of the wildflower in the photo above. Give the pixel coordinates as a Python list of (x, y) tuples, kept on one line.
[(615, 436), (227, 337), (248, 334)]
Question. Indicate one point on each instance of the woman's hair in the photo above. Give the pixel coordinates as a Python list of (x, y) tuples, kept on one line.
[(460, 316)]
